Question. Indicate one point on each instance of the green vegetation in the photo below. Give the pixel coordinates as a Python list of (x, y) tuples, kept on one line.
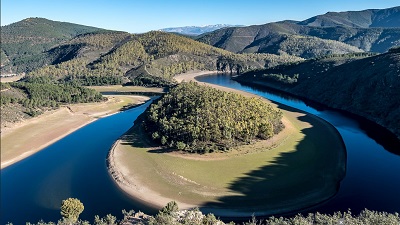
[(49, 95), (29, 99), (170, 208), (201, 119), (280, 78), (25, 42), (195, 217), (71, 208), (91, 56)]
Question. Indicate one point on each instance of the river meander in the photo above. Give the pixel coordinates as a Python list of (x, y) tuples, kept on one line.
[(75, 166)]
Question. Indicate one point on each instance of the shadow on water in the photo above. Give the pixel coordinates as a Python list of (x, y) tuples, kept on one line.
[(298, 179)]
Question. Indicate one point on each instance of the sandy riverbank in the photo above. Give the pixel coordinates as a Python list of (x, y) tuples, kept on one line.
[(25, 138), (157, 179)]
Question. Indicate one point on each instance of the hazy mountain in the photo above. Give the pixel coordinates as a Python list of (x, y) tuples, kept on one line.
[(197, 30), (361, 19), (255, 38)]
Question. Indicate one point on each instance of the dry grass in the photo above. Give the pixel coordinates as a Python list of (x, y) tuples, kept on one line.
[(11, 79)]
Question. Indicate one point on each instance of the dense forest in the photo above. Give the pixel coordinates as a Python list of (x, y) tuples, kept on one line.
[(21, 100), (201, 119)]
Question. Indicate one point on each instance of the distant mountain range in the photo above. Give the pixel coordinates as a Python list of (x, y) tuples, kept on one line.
[(197, 30), (369, 30)]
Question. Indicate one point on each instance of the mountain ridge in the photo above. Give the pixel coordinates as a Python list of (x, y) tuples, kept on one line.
[(368, 18), (237, 39)]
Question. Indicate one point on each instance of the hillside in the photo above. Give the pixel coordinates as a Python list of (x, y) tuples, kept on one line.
[(367, 86), (360, 19), (149, 59), (27, 42), (255, 38)]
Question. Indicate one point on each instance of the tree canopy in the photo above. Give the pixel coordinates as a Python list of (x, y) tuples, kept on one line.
[(197, 118)]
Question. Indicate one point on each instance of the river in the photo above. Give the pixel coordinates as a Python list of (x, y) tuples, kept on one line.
[(75, 166)]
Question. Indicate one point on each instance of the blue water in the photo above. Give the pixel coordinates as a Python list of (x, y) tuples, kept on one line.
[(75, 166)]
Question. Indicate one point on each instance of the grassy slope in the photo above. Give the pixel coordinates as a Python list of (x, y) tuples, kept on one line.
[(299, 170)]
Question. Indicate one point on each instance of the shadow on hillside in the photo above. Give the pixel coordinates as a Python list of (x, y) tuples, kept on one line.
[(310, 173)]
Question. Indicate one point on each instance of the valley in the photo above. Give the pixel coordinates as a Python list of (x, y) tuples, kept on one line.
[(230, 121)]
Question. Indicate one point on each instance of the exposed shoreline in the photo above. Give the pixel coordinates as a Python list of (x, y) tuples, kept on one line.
[(127, 182), (54, 125)]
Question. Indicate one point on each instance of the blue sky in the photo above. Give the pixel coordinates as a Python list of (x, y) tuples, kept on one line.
[(137, 16)]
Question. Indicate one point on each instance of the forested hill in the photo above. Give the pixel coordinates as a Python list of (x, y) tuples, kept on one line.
[(22, 41), (202, 119), (367, 86), (382, 33), (149, 59), (361, 19)]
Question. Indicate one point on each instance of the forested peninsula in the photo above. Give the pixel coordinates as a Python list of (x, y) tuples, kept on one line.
[(197, 118)]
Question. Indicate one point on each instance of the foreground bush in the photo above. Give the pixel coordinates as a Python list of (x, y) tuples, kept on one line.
[(170, 215)]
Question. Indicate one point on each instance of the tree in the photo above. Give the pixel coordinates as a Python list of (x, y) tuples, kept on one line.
[(71, 208), (170, 208)]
